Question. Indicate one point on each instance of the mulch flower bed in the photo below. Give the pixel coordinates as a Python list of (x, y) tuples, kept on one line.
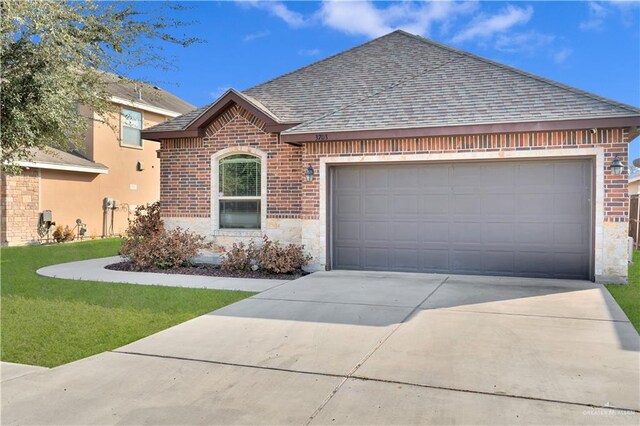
[(207, 270)]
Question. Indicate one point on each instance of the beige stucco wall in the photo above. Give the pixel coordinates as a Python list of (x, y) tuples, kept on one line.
[(72, 195), (634, 187)]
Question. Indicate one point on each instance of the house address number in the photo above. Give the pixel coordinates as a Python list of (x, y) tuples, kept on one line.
[(322, 136)]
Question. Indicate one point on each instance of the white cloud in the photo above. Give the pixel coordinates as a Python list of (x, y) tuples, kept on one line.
[(354, 18), (597, 14), (279, 9), (256, 35), (528, 42), (600, 11), (486, 26), (366, 18), (372, 19), (308, 52), (561, 55)]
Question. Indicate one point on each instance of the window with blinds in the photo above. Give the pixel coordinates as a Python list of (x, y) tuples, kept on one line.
[(131, 125), (239, 192)]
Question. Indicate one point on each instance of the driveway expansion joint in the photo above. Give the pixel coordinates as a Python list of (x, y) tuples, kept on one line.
[(371, 352), (230, 364), (352, 375), (504, 395), (471, 311)]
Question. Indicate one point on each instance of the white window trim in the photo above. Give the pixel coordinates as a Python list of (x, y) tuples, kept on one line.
[(122, 144), (215, 196)]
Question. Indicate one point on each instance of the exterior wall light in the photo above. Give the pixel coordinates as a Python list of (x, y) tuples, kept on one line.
[(616, 166), (308, 173)]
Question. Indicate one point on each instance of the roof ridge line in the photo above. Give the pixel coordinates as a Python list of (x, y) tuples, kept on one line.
[(527, 74), (321, 60), (392, 86)]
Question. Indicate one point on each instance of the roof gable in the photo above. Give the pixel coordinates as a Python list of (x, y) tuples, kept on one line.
[(194, 123)]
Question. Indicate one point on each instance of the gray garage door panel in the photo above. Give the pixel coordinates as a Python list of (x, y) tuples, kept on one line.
[(521, 218)]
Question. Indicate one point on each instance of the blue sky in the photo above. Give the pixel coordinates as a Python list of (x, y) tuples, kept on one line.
[(594, 46)]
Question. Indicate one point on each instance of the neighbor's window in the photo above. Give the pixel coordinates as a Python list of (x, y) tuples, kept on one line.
[(239, 192), (131, 126)]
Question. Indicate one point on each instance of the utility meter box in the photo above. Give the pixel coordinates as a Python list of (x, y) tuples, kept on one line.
[(47, 216), (107, 203)]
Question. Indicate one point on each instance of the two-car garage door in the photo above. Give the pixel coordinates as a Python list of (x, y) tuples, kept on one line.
[(517, 218)]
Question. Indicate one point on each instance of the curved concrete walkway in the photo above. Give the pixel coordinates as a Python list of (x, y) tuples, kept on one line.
[(94, 270)]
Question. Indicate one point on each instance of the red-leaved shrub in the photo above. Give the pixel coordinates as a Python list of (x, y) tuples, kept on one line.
[(271, 257), (242, 257), (147, 244)]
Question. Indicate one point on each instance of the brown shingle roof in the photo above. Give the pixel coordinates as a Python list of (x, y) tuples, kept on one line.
[(56, 157), (405, 81), (151, 95)]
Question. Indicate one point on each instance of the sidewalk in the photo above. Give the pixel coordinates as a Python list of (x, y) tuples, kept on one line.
[(93, 270), (11, 370)]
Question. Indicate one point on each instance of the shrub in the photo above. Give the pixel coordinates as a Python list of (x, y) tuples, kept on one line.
[(58, 234), (146, 221), (69, 235), (147, 244), (271, 257), (278, 259), (62, 234), (240, 258), (163, 249)]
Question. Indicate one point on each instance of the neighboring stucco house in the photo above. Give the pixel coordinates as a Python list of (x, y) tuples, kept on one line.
[(403, 154), (123, 167)]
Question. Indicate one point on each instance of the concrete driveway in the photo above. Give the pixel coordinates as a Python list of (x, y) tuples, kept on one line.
[(363, 348)]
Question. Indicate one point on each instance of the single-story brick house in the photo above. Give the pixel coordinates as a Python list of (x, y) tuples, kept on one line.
[(403, 154)]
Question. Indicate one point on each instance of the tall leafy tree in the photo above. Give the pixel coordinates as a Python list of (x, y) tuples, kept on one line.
[(53, 58)]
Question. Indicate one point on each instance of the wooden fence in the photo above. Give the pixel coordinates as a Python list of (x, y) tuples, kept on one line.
[(634, 220)]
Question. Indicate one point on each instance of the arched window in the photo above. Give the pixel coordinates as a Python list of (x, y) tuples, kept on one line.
[(239, 192)]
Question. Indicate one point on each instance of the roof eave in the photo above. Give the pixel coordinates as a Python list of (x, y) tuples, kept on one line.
[(145, 107), (158, 136), (62, 167), (474, 129)]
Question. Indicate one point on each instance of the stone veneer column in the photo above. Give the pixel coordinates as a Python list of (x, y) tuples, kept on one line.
[(19, 207)]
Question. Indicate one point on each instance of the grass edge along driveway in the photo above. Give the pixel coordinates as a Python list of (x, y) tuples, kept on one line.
[(50, 321), (628, 296)]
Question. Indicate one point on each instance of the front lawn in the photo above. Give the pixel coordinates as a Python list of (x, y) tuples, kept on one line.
[(49, 321), (628, 296)]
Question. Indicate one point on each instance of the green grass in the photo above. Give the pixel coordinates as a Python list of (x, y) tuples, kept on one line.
[(49, 321), (628, 296)]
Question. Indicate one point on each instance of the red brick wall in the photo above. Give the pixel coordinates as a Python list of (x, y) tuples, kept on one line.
[(185, 167), (19, 207), (614, 141)]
